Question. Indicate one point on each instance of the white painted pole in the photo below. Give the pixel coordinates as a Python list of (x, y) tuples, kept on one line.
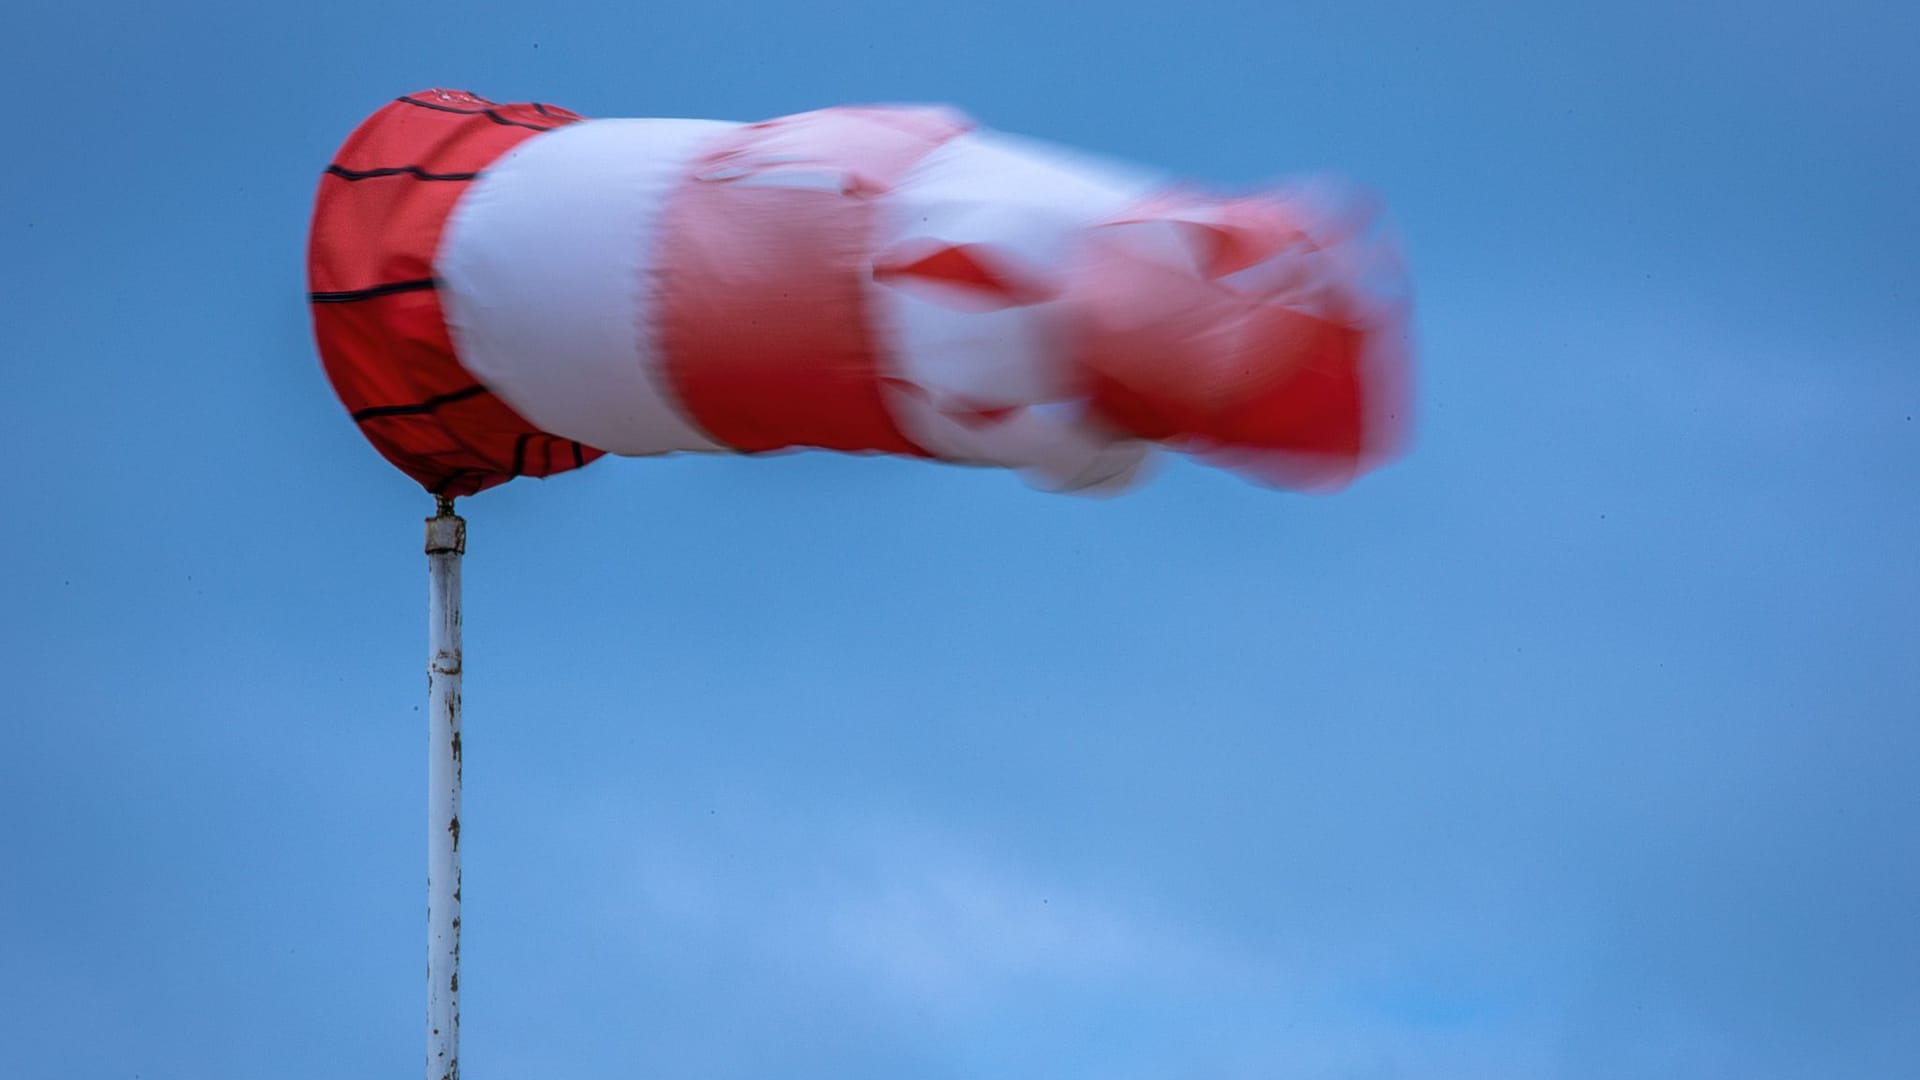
[(446, 542)]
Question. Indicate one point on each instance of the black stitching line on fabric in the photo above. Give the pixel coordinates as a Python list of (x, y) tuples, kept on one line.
[(351, 295), (420, 407), (414, 171), (490, 114)]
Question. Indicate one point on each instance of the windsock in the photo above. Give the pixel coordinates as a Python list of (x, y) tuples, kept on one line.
[(513, 290)]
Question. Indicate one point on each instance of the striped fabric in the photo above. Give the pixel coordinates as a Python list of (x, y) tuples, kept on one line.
[(505, 290)]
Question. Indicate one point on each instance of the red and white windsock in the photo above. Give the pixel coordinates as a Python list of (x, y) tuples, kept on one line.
[(509, 290)]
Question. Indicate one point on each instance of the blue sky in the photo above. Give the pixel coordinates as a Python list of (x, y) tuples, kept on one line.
[(1580, 743)]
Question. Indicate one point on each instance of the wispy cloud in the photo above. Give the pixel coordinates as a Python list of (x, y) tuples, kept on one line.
[(927, 919), (999, 966), (948, 924)]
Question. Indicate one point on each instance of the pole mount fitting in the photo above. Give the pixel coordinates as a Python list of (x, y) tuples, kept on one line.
[(446, 534)]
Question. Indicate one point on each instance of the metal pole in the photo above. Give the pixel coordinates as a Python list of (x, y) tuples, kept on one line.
[(446, 542)]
